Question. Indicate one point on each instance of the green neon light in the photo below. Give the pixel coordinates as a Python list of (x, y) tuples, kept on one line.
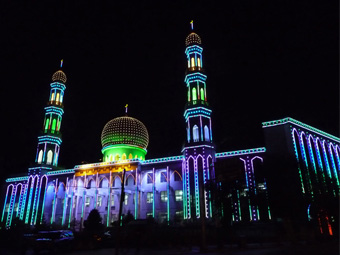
[(299, 123), (240, 152)]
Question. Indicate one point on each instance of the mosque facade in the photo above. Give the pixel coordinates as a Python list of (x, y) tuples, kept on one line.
[(297, 159)]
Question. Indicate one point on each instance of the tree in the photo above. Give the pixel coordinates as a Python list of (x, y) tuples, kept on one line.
[(93, 222)]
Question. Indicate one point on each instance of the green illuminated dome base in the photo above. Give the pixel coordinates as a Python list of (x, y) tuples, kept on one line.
[(124, 138), (122, 152)]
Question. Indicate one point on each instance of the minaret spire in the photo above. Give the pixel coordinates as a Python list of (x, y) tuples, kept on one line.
[(49, 142), (126, 109), (199, 150), (192, 24)]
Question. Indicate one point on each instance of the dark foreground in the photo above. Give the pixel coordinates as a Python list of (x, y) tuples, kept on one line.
[(316, 248)]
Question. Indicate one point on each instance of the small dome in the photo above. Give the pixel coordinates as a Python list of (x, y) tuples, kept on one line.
[(125, 130), (59, 76), (192, 38)]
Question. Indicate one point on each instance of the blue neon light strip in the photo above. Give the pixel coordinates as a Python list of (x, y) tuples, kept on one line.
[(196, 111), (240, 152), (195, 77), (300, 124), (193, 49), (53, 109), (47, 138), (58, 85), (66, 171), (160, 160)]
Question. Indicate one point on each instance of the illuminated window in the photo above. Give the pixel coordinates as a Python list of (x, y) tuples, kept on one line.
[(87, 201), (188, 63), (206, 133), (46, 124), (136, 156), (149, 197), (199, 62), (189, 95), (52, 96), (194, 95), (123, 156), (130, 156), (195, 134), (202, 94), (40, 156), (179, 214), (61, 98), (192, 62), (54, 123), (164, 197), (178, 195), (117, 157), (57, 99), (99, 201), (49, 157), (126, 198), (112, 200)]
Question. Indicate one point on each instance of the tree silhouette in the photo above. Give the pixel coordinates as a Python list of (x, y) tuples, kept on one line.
[(94, 221)]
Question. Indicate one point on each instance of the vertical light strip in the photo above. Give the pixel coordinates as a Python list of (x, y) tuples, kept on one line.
[(136, 195), (201, 128), (109, 201), (38, 201), (54, 201), (29, 199), (168, 194), (36, 192), (43, 205), (153, 192), (3, 210), (65, 202)]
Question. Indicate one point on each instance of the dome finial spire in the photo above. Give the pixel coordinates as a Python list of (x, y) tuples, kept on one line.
[(192, 24), (61, 63), (126, 109)]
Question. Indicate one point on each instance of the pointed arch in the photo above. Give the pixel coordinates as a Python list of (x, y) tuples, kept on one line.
[(117, 181), (194, 94), (124, 156), (202, 94), (129, 177), (117, 157), (206, 133), (104, 182), (40, 156), (54, 124), (46, 124), (49, 157), (176, 173), (130, 156), (195, 133)]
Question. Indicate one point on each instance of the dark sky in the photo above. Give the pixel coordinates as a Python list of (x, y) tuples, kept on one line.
[(265, 60)]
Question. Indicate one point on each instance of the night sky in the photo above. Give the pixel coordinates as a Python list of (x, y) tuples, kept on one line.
[(265, 60)]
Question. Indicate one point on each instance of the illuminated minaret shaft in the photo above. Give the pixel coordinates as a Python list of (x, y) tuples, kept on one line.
[(199, 149), (49, 143)]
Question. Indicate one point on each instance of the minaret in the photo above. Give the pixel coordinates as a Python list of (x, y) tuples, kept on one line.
[(199, 150), (49, 143)]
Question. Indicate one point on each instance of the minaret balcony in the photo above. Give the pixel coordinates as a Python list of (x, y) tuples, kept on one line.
[(54, 133), (197, 103), (55, 103)]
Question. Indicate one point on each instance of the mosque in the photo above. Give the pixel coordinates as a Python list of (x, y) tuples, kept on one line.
[(298, 166)]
